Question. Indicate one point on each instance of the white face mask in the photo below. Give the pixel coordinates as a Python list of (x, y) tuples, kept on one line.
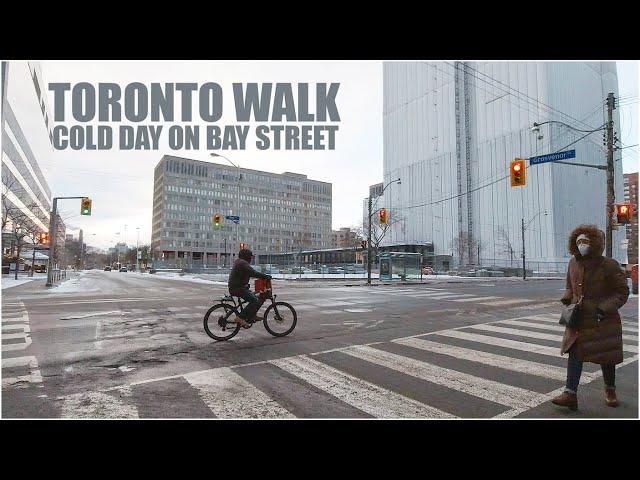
[(583, 248)]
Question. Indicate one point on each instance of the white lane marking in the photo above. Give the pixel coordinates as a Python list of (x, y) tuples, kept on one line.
[(542, 336), (34, 375), (23, 317), (450, 296), (512, 301), (99, 405), (492, 359), (476, 299), (95, 314), (366, 396), (555, 328), (502, 342), (228, 395), (547, 397), (22, 326), (13, 336), (491, 390)]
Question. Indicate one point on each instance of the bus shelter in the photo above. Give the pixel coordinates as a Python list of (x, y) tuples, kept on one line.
[(399, 264)]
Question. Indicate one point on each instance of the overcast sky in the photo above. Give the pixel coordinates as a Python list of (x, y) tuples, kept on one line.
[(120, 182)]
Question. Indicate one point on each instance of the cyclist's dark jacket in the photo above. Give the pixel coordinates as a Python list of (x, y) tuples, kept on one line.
[(240, 275)]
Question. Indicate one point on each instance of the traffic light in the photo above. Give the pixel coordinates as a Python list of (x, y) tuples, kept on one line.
[(85, 206), (43, 238), (623, 212), (382, 213), (217, 220), (517, 171), (242, 245)]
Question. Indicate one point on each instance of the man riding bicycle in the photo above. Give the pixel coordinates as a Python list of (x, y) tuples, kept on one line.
[(239, 285)]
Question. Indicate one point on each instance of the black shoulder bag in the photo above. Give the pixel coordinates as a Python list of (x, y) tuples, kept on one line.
[(571, 314)]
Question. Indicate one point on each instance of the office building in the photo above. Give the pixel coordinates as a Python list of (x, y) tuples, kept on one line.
[(279, 213), (345, 238), (26, 140), (631, 196)]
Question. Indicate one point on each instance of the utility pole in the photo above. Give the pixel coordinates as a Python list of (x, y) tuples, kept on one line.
[(369, 244), (610, 191), (524, 268)]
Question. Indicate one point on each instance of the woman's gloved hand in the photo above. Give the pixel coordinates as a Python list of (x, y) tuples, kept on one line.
[(565, 301)]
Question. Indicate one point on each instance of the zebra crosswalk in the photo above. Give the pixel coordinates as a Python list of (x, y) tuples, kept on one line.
[(496, 369), (18, 368), (351, 296)]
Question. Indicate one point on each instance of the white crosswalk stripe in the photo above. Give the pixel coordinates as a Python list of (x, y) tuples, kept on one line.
[(228, 395), (488, 389), (543, 336), (555, 328), (363, 395), (492, 359)]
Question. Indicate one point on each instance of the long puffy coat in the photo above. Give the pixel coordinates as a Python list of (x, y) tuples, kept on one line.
[(603, 285)]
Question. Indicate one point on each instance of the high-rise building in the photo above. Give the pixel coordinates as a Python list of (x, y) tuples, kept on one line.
[(279, 213), (631, 196), (451, 130), (26, 140)]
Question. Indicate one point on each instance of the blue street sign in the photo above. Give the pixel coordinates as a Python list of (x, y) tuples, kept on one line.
[(232, 217), (552, 157)]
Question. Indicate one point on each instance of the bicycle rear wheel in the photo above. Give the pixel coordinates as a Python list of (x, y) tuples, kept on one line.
[(219, 322), (280, 319)]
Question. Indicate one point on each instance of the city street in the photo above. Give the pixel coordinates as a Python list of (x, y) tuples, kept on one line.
[(130, 345)]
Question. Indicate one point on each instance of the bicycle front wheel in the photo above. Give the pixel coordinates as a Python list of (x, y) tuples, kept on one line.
[(219, 322), (280, 319)]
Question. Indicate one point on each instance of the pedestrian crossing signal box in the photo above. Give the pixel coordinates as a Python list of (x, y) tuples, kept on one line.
[(623, 213)]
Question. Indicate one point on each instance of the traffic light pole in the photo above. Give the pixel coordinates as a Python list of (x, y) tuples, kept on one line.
[(610, 191), (52, 236), (524, 268)]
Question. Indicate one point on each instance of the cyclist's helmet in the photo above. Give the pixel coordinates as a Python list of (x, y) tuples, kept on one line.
[(245, 254)]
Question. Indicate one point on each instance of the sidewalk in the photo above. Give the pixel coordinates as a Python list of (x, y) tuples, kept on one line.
[(9, 281)]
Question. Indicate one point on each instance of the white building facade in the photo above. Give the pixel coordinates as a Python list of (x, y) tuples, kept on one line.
[(451, 130)]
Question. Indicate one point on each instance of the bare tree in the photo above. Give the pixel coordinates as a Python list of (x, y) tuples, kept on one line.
[(464, 245), (378, 232), (505, 243)]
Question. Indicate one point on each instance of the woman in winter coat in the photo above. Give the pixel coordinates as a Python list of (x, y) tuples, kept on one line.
[(597, 337)]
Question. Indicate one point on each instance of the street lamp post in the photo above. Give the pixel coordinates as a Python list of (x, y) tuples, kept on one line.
[(237, 195), (524, 268), (369, 228)]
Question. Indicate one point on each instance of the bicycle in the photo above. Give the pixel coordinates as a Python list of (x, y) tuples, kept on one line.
[(279, 319)]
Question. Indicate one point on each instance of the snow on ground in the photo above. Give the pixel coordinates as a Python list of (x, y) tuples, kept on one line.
[(187, 277), (78, 284), (9, 281)]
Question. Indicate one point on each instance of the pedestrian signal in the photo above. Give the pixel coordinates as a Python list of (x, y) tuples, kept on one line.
[(517, 171), (43, 238), (242, 245), (623, 212), (363, 243)]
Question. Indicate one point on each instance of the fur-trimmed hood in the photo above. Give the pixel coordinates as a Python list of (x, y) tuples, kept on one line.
[(595, 235)]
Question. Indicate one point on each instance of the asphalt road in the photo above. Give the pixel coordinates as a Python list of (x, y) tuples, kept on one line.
[(126, 345)]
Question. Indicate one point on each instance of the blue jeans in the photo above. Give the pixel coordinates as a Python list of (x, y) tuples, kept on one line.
[(253, 305), (574, 371)]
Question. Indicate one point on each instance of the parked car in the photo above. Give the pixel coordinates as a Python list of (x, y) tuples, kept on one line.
[(428, 271), (107, 268), (123, 269)]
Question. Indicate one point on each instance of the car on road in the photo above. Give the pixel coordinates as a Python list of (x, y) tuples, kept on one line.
[(123, 269), (428, 271), (107, 268)]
